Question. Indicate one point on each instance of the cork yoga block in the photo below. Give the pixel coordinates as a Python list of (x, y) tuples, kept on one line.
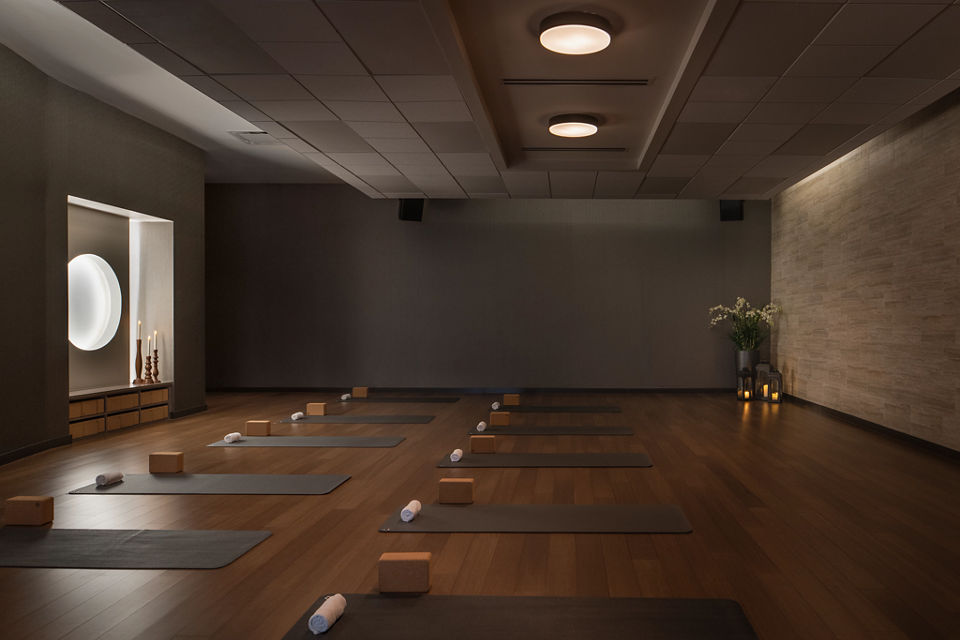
[(404, 572), (166, 462), (316, 408), (28, 510), (258, 428), (359, 392), (499, 418), (483, 444), (511, 398), (456, 491)]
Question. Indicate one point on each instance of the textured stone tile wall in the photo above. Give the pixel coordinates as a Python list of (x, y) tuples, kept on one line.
[(866, 263)]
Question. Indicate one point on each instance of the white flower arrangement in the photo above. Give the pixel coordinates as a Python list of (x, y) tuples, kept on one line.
[(748, 331)]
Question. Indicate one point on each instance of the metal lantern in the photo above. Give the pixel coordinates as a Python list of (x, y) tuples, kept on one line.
[(775, 383), (745, 390), (761, 380)]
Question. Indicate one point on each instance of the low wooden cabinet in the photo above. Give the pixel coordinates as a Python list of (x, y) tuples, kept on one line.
[(107, 409)]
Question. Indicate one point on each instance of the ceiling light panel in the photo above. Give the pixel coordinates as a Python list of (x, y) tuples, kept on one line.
[(575, 33)]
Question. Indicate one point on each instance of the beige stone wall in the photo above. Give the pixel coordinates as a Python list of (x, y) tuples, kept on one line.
[(866, 263)]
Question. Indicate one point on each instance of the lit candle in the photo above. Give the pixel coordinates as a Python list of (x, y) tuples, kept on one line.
[(148, 344), (155, 343), (746, 394), (766, 389), (775, 395), (138, 329)]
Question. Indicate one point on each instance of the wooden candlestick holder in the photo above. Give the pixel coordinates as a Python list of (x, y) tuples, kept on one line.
[(156, 366), (138, 365), (147, 374)]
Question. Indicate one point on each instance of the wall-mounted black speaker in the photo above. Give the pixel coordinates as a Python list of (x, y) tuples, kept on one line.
[(411, 209), (731, 210)]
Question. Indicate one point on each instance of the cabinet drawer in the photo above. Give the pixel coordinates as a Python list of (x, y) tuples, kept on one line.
[(86, 428), (121, 420), (154, 413), (155, 396), (82, 408), (124, 401)]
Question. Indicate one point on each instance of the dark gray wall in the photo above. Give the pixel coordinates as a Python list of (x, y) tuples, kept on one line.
[(56, 142), (320, 286), (107, 236)]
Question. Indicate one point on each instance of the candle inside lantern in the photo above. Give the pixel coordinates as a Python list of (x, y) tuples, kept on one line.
[(746, 394), (775, 396), (766, 390)]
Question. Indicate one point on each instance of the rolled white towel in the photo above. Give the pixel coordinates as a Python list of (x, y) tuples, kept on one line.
[(410, 511), (495, 406), (346, 396), (110, 477), (481, 426), (232, 437), (328, 613), (455, 455), (297, 416)]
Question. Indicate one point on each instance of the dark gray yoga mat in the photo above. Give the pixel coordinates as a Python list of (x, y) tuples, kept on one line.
[(123, 549), (565, 430), (407, 399), (220, 484), (498, 460), (426, 617), (543, 518), (361, 420), (546, 408), (311, 441)]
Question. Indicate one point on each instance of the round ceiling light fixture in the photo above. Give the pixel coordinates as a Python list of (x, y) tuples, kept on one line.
[(94, 302), (573, 125), (575, 33)]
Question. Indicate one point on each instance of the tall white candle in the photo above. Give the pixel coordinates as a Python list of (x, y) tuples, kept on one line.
[(155, 342)]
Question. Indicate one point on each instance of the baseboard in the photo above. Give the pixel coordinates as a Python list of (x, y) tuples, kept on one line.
[(472, 390), (29, 450), (186, 412), (906, 438)]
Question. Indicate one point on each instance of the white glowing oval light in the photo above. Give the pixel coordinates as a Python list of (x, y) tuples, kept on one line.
[(572, 129), (94, 302), (575, 39)]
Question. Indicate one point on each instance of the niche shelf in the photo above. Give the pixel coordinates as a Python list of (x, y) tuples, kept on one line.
[(94, 411)]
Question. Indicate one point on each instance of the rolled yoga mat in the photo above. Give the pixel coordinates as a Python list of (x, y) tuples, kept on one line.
[(311, 441), (220, 484), (406, 399), (545, 408), (362, 420), (123, 549), (565, 430), (426, 617), (543, 518), (549, 460)]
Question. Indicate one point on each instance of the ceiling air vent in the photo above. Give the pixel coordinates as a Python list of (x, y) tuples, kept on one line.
[(613, 149), (612, 82), (258, 138)]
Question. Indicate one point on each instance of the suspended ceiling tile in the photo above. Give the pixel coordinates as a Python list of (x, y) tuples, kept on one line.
[(709, 183), (423, 170), (696, 138), (384, 130), (839, 60), (876, 24), (404, 195), (420, 88), (746, 148), (166, 59), (329, 137), (819, 139), (482, 184), (527, 184), (343, 87), (675, 166), (731, 163), (353, 111), (662, 185), (886, 90), (617, 184), (366, 159), (438, 187), (731, 89), (274, 129), (759, 132), (244, 110), (781, 166), (365, 171), (278, 21), (763, 39), (295, 110), (398, 145), (785, 112), (377, 30), (298, 145), (451, 137), (264, 87), (390, 184), (820, 90), (572, 184), (110, 21), (416, 159), (468, 164), (210, 88), (455, 111), (730, 112), (934, 52), (853, 113), (315, 58), (751, 187), (319, 158)]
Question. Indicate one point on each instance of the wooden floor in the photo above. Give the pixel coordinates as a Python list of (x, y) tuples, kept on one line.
[(819, 529)]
